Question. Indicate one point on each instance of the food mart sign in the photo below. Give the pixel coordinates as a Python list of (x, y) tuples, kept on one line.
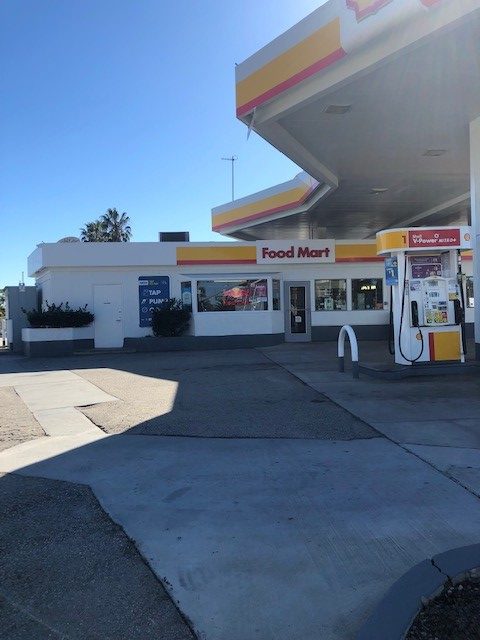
[(286, 251)]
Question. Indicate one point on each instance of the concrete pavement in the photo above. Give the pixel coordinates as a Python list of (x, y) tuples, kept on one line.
[(436, 418), (282, 538), (52, 397)]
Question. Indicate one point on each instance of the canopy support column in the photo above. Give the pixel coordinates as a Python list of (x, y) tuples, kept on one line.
[(475, 206)]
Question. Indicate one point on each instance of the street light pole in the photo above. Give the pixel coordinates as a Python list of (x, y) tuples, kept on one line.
[(232, 159)]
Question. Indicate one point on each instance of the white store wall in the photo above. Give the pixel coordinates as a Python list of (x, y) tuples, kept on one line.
[(75, 284)]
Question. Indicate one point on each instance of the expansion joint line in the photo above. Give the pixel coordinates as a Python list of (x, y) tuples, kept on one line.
[(445, 474), (29, 614)]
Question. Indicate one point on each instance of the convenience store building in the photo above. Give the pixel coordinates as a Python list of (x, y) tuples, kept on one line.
[(257, 293), (378, 101)]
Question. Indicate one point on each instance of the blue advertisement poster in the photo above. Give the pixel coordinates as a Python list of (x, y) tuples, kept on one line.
[(153, 291), (391, 271), (186, 288)]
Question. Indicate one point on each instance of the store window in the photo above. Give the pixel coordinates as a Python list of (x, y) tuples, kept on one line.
[(186, 290), (276, 294), (367, 294), (232, 295), (470, 296), (330, 295)]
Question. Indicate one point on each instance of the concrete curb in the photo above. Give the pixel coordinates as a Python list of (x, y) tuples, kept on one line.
[(393, 616), (457, 563), (395, 613)]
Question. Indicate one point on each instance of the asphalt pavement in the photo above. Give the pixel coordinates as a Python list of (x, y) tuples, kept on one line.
[(17, 423), (68, 572), (216, 394)]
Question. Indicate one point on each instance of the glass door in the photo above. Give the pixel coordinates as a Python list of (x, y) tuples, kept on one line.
[(297, 312)]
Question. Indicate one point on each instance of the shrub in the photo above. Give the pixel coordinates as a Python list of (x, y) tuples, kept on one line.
[(171, 319), (59, 316)]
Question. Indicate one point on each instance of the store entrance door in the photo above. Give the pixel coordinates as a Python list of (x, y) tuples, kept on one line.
[(298, 317)]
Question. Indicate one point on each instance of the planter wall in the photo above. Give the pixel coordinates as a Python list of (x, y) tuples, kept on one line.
[(56, 342)]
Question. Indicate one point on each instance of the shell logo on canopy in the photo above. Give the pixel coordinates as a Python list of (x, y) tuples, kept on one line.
[(365, 8)]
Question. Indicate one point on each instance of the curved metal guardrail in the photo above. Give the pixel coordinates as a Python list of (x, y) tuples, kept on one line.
[(347, 330)]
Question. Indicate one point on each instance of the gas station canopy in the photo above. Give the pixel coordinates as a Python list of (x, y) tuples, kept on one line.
[(373, 100)]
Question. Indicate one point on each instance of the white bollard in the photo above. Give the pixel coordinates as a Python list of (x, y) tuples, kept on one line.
[(347, 330)]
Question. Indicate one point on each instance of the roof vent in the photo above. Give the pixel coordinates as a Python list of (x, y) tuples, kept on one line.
[(174, 236), (338, 109), (434, 153)]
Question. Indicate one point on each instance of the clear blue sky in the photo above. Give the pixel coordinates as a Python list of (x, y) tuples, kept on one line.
[(126, 104)]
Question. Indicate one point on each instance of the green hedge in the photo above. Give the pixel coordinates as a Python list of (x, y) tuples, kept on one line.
[(59, 317), (171, 319)]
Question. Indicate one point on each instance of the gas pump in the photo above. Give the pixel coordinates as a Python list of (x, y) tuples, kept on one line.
[(426, 308)]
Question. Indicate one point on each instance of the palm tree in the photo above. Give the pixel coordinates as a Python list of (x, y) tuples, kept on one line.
[(93, 232), (116, 226)]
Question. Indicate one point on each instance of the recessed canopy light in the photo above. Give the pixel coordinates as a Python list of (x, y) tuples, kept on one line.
[(434, 153), (378, 190), (338, 109)]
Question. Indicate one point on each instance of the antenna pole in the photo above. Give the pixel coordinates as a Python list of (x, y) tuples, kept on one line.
[(232, 159)]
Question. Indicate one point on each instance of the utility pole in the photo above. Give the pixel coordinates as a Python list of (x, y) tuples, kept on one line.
[(232, 159)]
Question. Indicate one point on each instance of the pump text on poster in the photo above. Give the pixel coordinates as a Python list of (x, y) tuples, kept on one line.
[(153, 291)]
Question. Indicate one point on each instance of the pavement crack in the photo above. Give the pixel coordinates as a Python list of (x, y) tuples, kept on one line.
[(434, 564)]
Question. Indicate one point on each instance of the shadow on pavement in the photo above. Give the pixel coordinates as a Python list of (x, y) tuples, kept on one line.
[(255, 538), (67, 571)]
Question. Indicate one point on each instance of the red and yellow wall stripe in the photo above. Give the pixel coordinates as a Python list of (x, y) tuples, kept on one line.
[(247, 254), (242, 254), (357, 252)]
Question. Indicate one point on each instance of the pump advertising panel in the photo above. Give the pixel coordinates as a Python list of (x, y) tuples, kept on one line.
[(424, 239), (426, 267), (391, 271), (435, 302), (153, 291), (434, 238)]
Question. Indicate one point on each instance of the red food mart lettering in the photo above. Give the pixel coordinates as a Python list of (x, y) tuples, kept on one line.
[(302, 252)]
